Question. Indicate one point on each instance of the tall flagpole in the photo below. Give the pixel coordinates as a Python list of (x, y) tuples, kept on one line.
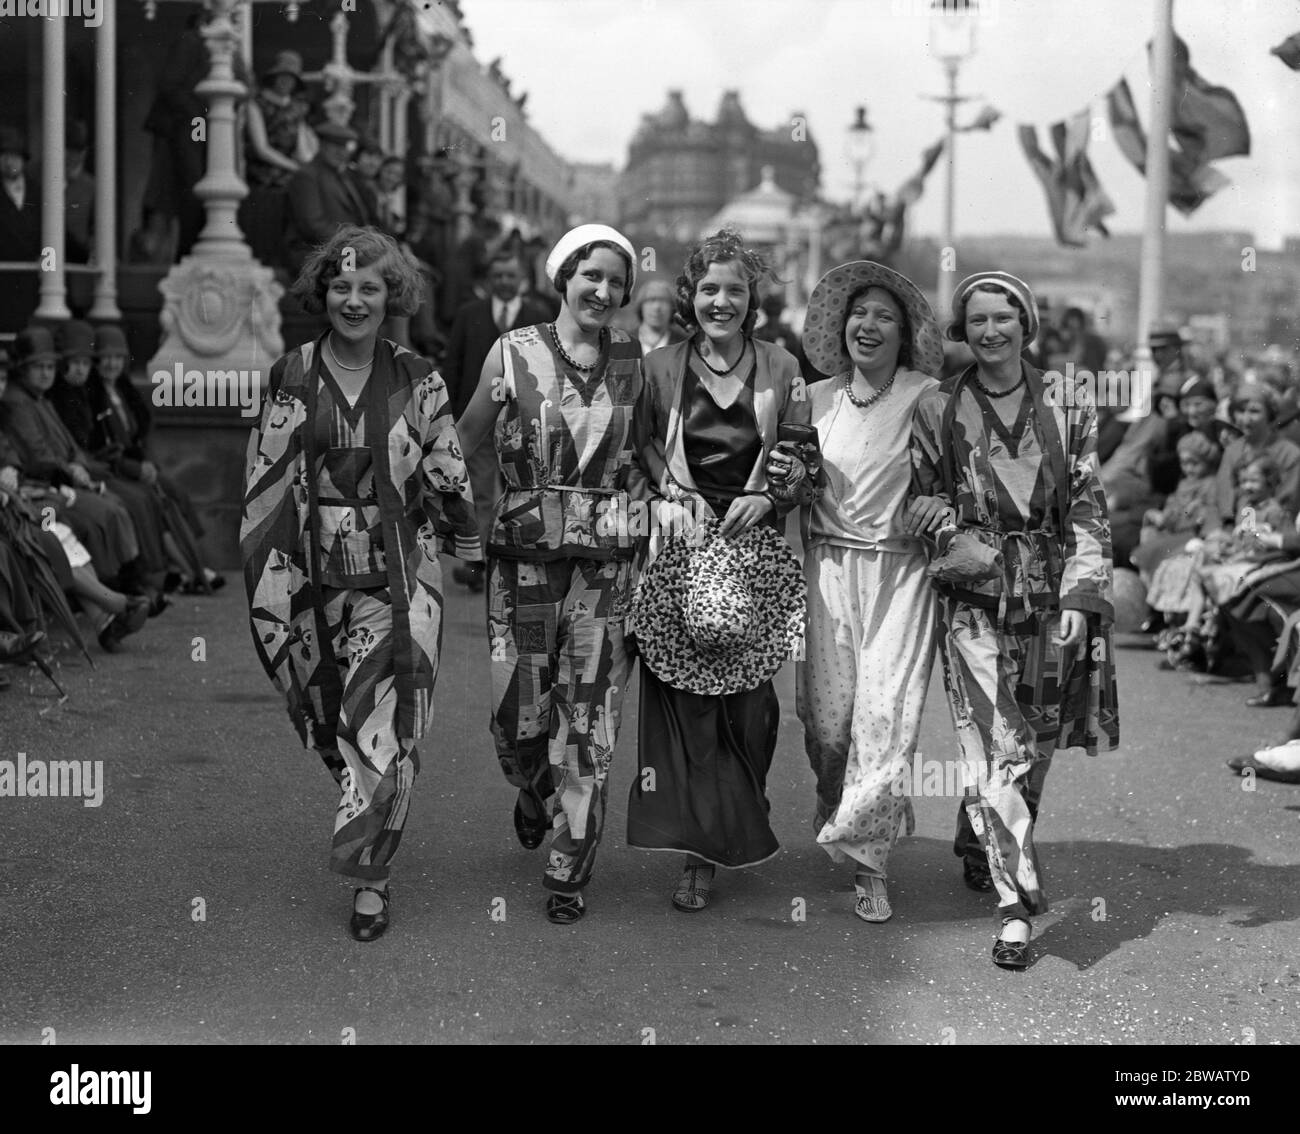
[(1151, 289)]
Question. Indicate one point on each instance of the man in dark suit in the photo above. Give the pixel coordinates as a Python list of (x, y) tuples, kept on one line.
[(20, 230), (323, 195), (475, 330)]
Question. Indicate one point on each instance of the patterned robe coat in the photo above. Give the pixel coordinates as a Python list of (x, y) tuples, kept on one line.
[(425, 507)]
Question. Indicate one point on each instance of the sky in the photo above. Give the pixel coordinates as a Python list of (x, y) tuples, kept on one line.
[(593, 67)]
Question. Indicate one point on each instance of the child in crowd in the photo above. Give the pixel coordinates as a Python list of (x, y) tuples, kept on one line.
[(1223, 559)]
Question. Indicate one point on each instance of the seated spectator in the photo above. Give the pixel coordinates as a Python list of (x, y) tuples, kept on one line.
[(59, 473), (113, 615), (1255, 412), (1199, 405), (323, 195), (1162, 561), (1229, 561), (109, 419)]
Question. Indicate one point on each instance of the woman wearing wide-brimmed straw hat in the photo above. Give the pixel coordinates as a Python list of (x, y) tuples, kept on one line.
[(1005, 468), (715, 405), (560, 401), (871, 608)]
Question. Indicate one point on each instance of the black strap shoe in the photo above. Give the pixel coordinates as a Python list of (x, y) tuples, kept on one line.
[(369, 927), (1010, 954), (531, 832)]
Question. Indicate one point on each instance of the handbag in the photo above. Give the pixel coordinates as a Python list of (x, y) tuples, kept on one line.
[(798, 478), (965, 559)]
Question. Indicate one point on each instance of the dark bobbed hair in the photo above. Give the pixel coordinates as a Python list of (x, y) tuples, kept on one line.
[(373, 248), (1255, 392), (566, 271), (957, 328), (726, 246), (905, 324)]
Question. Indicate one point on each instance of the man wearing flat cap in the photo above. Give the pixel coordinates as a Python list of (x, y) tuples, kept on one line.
[(323, 195)]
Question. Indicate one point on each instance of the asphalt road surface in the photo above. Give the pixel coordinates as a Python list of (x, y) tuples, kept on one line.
[(194, 905)]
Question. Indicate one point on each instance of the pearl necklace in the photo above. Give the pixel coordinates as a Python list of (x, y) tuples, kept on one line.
[(568, 358), (343, 364), (862, 403)]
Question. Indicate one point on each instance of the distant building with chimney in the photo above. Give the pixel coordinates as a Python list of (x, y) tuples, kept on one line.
[(680, 172)]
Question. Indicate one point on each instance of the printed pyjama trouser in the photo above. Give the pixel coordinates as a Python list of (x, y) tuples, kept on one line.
[(860, 692), (560, 670), (374, 767), (1004, 689)]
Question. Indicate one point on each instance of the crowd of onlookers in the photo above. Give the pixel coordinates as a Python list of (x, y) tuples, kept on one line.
[(88, 520)]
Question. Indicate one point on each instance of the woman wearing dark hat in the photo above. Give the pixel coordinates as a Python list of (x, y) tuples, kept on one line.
[(559, 400), (871, 608), (114, 615), (110, 420), (278, 142), (50, 456), (354, 484), (1004, 466), (68, 396), (1199, 404), (714, 406)]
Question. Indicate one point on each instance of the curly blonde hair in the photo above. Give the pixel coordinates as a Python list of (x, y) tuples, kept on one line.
[(370, 248)]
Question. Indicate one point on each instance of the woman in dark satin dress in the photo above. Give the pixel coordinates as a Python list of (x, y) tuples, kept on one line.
[(714, 403)]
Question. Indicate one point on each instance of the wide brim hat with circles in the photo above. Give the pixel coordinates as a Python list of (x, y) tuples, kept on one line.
[(823, 328), (715, 615)]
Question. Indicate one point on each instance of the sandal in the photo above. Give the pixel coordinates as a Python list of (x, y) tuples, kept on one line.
[(565, 909), (692, 893), (369, 927), (873, 898), (1012, 955)]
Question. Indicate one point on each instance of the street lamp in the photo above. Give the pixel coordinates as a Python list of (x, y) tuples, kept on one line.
[(952, 42), (859, 146)]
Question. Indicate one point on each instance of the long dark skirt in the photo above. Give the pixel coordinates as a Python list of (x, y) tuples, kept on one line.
[(146, 515), (702, 773)]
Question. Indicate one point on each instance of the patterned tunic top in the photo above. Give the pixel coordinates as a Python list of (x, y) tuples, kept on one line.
[(1029, 488), (568, 452), (351, 535)]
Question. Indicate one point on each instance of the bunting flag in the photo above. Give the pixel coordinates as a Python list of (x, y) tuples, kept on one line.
[(1191, 182), (1075, 199), (1289, 51), (910, 191), (1207, 121)]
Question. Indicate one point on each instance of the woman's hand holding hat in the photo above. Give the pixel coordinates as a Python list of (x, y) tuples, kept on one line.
[(744, 513), (926, 514)]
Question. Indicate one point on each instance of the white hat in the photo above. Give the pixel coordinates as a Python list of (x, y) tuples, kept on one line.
[(586, 234)]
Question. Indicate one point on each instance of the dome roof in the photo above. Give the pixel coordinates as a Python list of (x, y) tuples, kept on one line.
[(762, 215)]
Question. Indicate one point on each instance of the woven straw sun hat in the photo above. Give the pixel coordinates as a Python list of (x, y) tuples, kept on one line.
[(715, 615), (823, 329)]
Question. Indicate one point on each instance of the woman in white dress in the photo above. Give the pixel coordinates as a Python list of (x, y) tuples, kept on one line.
[(871, 614)]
